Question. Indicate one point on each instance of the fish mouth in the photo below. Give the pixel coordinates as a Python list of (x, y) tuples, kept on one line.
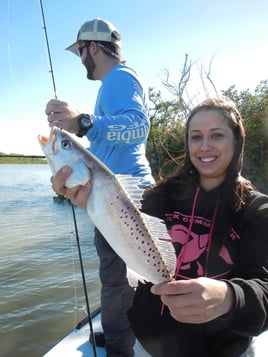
[(42, 140), (45, 141)]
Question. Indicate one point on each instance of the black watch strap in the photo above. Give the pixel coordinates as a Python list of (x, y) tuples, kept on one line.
[(85, 122)]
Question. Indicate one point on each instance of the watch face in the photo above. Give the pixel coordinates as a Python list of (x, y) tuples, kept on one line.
[(85, 122)]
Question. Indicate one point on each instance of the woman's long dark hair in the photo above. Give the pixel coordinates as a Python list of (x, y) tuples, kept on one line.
[(233, 191), (237, 187)]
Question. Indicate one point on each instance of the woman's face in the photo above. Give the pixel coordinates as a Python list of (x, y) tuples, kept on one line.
[(211, 146)]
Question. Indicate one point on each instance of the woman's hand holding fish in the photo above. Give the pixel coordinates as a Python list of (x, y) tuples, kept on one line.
[(78, 195), (61, 115), (196, 300)]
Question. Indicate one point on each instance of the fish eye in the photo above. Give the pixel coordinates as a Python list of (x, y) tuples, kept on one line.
[(66, 145)]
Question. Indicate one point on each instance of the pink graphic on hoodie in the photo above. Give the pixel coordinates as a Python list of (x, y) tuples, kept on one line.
[(197, 243)]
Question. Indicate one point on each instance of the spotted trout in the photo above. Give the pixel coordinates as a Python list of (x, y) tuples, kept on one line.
[(140, 240)]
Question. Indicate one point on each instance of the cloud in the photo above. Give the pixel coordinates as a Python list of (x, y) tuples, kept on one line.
[(20, 136)]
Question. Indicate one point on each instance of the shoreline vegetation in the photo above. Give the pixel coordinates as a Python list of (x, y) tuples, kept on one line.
[(21, 159)]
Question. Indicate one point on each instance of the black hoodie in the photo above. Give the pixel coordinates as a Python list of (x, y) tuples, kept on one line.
[(238, 255)]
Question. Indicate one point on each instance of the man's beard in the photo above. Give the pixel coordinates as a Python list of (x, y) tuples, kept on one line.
[(90, 66)]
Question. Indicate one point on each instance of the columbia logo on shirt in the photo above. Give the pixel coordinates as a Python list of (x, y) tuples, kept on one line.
[(127, 134)]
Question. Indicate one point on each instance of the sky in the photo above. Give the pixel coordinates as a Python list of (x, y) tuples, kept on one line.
[(156, 35)]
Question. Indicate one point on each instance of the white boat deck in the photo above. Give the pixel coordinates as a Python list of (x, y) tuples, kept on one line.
[(76, 344)]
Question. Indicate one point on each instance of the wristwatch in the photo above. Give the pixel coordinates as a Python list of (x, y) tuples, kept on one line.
[(85, 122)]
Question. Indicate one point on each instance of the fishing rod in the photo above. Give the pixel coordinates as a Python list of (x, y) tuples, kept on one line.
[(73, 210), (23, 156), (48, 50)]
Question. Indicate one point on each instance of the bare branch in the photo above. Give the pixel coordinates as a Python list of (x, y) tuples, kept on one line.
[(209, 78)]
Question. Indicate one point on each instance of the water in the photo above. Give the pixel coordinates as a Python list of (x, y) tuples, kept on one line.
[(41, 283)]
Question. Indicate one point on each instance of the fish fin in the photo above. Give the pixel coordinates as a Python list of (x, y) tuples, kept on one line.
[(158, 231), (134, 186), (162, 239), (134, 278)]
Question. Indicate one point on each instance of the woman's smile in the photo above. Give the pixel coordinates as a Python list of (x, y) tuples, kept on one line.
[(208, 160), (211, 147)]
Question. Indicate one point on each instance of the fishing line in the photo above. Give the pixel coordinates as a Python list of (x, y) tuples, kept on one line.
[(73, 211), (72, 245), (9, 52)]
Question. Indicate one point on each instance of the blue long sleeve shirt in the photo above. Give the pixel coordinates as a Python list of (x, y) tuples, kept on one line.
[(121, 124)]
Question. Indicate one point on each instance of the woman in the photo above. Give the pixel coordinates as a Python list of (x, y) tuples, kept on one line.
[(219, 226)]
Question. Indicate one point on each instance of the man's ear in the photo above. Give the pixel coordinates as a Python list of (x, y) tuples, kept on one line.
[(94, 48)]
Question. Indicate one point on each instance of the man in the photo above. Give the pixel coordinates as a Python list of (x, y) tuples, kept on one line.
[(117, 132)]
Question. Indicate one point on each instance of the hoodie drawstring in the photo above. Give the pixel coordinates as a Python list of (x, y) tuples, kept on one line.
[(210, 234), (182, 254)]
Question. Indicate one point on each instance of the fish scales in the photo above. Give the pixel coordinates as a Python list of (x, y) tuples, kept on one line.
[(140, 240), (126, 230)]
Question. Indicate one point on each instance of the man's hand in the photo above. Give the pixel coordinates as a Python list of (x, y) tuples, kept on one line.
[(196, 300), (60, 114), (78, 195)]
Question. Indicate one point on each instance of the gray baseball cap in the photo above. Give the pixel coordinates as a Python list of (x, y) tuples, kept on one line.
[(95, 30)]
